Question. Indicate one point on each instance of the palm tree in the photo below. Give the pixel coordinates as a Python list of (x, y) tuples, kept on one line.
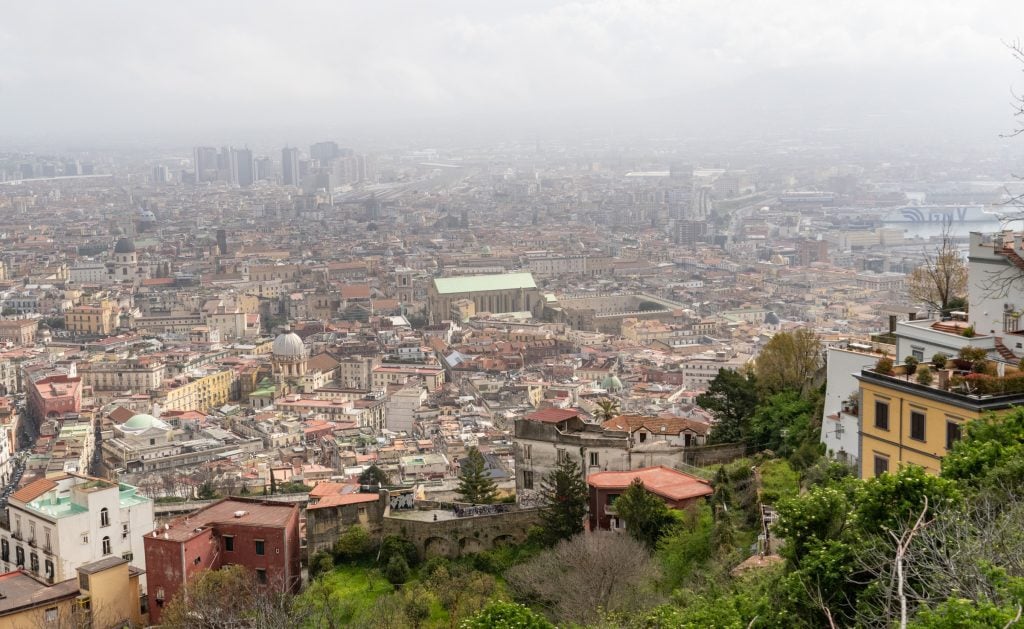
[(607, 408)]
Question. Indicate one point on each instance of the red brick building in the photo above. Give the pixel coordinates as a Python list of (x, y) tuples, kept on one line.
[(262, 536), (677, 489), (53, 397)]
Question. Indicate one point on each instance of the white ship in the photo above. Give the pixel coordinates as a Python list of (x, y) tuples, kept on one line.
[(949, 214)]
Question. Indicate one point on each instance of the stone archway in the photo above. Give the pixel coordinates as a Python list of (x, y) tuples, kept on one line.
[(503, 540), (470, 545), (437, 547)]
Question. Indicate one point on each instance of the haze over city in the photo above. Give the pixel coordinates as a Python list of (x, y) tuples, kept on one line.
[(235, 71)]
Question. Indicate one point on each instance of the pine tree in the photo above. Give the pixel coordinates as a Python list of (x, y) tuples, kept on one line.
[(475, 484), (565, 502)]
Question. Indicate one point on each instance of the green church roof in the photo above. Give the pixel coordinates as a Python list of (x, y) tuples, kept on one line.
[(477, 283)]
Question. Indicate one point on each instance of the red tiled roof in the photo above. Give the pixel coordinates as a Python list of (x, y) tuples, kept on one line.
[(663, 481), (552, 415), (338, 500), (33, 490)]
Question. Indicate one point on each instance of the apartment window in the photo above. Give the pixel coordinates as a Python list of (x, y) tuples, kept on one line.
[(229, 543), (46, 534), (917, 422), (128, 556), (918, 353), (51, 614), (527, 451), (49, 571), (527, 479), (33, 562), (563, 455), (261, 575), (124, 531), (594, 459), (106, 545), (104, 517), (881, 464), (881, 415), (953, 433), (259, 547), (5, 550), (19, 556)]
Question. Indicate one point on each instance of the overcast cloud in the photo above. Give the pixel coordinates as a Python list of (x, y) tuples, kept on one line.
[(157, 69)]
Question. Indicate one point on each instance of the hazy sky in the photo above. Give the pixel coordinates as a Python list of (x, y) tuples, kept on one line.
[(176, 68)]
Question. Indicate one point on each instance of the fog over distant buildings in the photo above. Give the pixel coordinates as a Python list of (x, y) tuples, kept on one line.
[(122, 72)]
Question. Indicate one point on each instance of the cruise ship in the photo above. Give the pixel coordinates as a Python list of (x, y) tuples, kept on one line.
[(949, 214)]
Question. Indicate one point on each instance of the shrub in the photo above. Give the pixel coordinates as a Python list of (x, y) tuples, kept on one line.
[(504, 614), (968, 331), (924, 376), (939, 360), (396, 571), (884, 366), (353, 545), (393, 545), (972, 354), (320, 563), (911, 364)]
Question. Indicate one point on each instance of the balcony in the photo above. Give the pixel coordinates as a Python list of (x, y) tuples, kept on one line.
[(32, 542)]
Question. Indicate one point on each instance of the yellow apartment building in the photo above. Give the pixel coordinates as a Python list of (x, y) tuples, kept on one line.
[(199, 393), (99, 319), (905, 422)]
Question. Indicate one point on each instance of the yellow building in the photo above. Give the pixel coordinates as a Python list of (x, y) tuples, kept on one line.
[(105, 594), (196, 393), (99, 319), (904, 422)]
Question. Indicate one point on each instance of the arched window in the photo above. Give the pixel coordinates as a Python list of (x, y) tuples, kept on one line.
[(104, 517), (106, 545)]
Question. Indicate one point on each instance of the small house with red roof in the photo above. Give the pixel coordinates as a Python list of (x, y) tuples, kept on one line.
[(677, 489)]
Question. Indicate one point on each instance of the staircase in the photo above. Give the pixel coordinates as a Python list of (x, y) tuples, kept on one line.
[(1003, 350), (1013, 257)]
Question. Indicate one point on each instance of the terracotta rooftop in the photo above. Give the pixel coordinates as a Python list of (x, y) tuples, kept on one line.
[(33, 490), (658, 425), (552, 415), (660, 480), (337, 500), (257, 513)]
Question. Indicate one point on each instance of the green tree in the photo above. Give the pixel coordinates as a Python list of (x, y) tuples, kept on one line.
[(475, 485), (394, 545), (374, 476), (566, 497), (782, 419), (352, 545), (397, 570), (506, 614), (320, 563), (732, 397), (607, 408), (991, 453), (416, 606), (207, 491), (790, 361), (645, 514), (687, 547)]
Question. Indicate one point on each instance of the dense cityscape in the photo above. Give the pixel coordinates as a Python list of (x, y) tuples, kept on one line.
[(530, 379)]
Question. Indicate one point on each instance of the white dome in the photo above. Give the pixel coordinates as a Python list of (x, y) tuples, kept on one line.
[(288, 345)]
